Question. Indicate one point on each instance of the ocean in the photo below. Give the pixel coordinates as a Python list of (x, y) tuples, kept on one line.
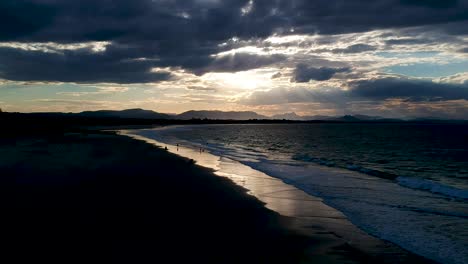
[(405, 183)]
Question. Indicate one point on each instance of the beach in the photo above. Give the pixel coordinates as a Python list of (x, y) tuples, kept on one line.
[(411, 194), (92, 196)]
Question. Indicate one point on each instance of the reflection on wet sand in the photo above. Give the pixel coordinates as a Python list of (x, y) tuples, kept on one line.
[(308, 214)]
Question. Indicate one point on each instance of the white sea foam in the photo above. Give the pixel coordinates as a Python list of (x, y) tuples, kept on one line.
[(420, 221), (424, 223), (428, 185)]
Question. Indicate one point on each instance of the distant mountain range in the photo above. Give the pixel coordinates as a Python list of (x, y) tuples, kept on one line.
[(231, 115), (128, 113), (148, 114), (138, 113), (219, 115)]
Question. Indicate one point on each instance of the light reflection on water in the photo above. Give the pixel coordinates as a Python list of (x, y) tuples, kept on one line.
[(308, 214)]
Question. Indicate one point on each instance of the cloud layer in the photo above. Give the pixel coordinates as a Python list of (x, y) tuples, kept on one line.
[(233, 53), (187, 33), (374, 90), (303, 73), (376, 95)]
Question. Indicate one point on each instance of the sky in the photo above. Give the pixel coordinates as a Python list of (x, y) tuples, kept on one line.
[(390, 58)]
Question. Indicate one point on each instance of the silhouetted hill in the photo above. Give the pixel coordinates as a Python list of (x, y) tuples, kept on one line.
[(128, 113), (345, 118), (296, 117), (288, 116), (48, 120), (362, 118), (220, 115)]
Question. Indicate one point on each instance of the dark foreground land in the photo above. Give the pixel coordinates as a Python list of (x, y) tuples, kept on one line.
[(86, 197), (106, 198)]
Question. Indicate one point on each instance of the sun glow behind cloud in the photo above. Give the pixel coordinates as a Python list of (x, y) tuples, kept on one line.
[(245, 80), (174, 57)]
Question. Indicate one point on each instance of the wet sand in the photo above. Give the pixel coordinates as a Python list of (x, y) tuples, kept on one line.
[(94, 197), (307, 214)]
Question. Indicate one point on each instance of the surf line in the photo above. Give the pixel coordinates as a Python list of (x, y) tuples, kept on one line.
[(309, 214)]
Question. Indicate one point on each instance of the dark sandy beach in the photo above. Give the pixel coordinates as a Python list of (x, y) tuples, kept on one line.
[(99, 197)]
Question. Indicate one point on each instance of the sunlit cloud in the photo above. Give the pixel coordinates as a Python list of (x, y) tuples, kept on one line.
[(54, 47), (209, 54), (246, 80), (100, 90)]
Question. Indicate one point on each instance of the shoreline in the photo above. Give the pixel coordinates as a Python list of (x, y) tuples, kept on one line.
[(309, 214), (76, 197), (81, 197)]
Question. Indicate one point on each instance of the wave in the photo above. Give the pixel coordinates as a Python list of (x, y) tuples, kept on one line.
[(391, 208), (409, 182), (353, 167), (434, 187)]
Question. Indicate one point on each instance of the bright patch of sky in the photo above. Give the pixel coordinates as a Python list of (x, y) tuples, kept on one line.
[(246, 80), (430, 70), (421, 54)]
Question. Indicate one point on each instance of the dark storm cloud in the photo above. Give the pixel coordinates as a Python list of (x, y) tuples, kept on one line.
[(407, 41), (334, 17), (22, 18), (186, 33), (432, 3), (62, 20), (376, 90), (304, 73), (240, 62), (82, 66), (409, 89), (356, 48), (168, 33)]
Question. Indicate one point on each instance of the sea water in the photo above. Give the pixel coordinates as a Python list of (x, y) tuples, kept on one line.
[(405, 183)]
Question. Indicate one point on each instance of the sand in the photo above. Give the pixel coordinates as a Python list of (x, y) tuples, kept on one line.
[(99, 197)]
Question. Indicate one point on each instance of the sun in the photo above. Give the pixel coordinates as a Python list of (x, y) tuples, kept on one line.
[(245, 80)]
